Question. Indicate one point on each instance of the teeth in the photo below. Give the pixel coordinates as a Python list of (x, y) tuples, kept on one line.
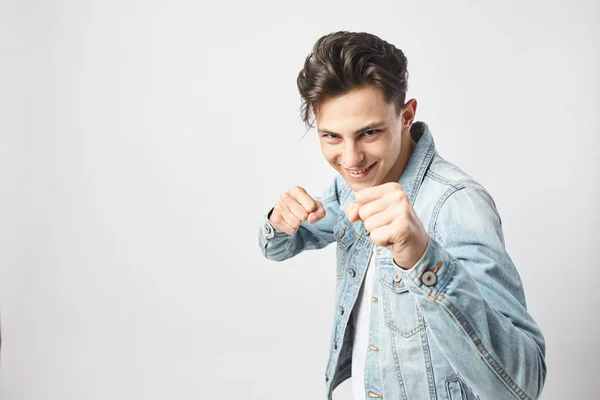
[(358, 172)]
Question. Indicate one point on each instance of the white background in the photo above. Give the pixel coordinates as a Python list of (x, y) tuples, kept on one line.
[(142, 141)]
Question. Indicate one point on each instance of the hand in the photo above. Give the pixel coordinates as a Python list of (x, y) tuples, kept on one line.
[(391, 221), (293, 207)]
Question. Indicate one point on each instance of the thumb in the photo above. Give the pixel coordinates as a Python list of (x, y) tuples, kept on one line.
[(352, 212), (318, 214)]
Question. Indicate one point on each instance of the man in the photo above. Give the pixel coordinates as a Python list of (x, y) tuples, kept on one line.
[(429, 303)]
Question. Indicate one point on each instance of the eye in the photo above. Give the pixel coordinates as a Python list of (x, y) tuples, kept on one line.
[(371, 132), (330, 136)]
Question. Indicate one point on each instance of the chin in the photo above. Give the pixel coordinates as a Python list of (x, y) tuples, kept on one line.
[(358, 186)]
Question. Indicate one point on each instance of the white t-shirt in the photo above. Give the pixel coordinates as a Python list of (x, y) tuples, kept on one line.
[(361, 332)]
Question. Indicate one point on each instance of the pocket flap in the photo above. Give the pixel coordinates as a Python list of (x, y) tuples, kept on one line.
[(390, 275), (344, 233)]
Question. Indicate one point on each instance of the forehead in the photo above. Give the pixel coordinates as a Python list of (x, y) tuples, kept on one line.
[(352, 110)]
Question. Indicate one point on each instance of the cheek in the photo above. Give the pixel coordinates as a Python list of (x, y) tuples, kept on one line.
[(397, 141), (329, 154), (392, 149), (381, 151)]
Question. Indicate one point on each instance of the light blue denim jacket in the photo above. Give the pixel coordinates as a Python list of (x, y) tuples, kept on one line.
[(455, 325)]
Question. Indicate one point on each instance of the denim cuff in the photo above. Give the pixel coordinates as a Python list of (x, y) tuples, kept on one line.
[(432, 271), (268, 229)]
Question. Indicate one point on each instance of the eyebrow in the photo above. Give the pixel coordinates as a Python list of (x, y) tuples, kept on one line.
[(372, 125)]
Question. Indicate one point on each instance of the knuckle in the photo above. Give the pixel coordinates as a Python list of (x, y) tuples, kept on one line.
[(296, 190), (399, 194), (403, 229), (362, 213), (376, 239), (276, 218)]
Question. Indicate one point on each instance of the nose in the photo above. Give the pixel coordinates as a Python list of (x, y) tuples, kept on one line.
[(353, 156)]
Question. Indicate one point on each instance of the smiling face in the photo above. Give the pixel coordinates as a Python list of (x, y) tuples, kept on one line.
[(363, 138)]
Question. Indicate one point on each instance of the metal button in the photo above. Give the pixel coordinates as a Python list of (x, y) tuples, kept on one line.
[(374, 299), (335, 345), (268, 225), (379, 251), (374, 348), (351, 272), (397, 277), (341, 310), (375, 395), (429, 278)]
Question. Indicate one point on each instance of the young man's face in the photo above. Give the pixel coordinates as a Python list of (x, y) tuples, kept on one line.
[(362, 137)]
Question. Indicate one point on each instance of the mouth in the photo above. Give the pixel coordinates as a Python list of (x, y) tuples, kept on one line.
[(359, 174)]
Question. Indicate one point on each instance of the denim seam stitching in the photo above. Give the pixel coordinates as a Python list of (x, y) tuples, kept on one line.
[(427, 160), (490, 360), (329, 199), (492, 363), (398, 370), (426, 356), (390, 322), (439, 204), (442, 179)]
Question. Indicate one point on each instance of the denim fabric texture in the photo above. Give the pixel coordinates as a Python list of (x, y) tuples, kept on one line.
[(453, 326)]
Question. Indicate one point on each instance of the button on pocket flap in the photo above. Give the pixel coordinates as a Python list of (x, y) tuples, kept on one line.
[(344, 233), (391, 277)]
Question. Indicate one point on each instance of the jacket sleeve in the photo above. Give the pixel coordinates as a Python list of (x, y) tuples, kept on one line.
[(279, 246), (473, 301)]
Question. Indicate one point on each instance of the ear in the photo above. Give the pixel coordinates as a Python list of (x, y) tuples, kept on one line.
[(408, 113)]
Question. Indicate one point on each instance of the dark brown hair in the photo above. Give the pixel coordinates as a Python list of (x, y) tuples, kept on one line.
[(343, 61)]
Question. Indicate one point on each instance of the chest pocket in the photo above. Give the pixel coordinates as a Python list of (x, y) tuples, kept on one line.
[(401, 314), (345, 237)]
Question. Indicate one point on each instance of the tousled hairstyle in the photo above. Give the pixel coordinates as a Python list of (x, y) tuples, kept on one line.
[(343, 61)]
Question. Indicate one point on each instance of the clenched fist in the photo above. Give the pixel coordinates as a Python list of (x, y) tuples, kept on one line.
[(293, 207), (391, 221)]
